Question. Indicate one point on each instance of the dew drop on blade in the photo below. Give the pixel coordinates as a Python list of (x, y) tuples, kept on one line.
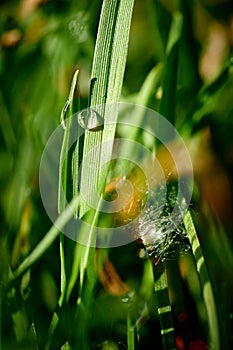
[(89, 119)]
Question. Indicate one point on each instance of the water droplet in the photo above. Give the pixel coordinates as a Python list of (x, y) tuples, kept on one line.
[(63, 113), (78, 28), (143, 253), (127, 298), (89, 119)]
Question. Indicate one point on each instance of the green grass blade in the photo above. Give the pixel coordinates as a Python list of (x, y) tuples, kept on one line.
[(207, 289), (169, 86), (98, 96), (107, 75), (150, 85), (83, 258), (148, 89), (115, 82), (46, 242), (107, 79), (207, 100), (65, 193), (65, 175), (6, 127), (103, 52), (65, 186), (119, 50), (130, 333), (164, 309)]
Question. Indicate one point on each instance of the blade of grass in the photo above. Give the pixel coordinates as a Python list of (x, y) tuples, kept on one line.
[(164, 307), (130, 333), (220, 247), (46, 242), (143, 97), (107, 77), (150, 85), (65, 193), (153, 15), (115, 82), (64, 174), (107, 74), (207, 289), (169, 85), (167, 109), (83, 255), (206, 99), (6, 127), (65, 187), (98, 96)]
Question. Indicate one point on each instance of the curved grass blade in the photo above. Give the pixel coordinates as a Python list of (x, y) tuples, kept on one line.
[(65, 193), (207, 289), (46, 242), (65, 186)]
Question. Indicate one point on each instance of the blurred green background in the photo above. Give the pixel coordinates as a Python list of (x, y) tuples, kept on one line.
[(42, 43)]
